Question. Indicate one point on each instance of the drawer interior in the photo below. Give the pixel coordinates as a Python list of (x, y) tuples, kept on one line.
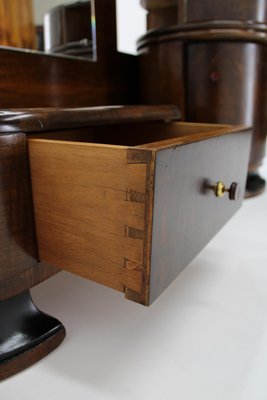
[(136, 134)]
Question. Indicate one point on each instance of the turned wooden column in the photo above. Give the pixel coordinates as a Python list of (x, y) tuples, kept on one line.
[(211, 64), (161, 12)]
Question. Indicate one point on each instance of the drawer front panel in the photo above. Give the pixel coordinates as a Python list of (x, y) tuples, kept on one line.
[(185, 218)]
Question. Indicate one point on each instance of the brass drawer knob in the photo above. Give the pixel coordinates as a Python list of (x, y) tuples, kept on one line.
[(220, 189)]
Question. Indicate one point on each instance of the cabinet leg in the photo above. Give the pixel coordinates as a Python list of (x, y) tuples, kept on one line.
[(26, 334)]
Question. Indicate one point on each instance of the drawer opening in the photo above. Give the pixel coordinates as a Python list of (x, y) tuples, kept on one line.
[(131, 135)]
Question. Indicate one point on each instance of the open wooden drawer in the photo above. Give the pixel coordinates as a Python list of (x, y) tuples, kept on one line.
[(129, 205)]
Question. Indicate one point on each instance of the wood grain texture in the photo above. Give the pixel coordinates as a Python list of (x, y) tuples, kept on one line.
[(17, 25), (207, 30), (51, 119), (96, 210), (160, 12), (86, 220), (170, 88), (61, 82), (235, 68), (32, 79), (18, 256), (243, 10), (214, 71)]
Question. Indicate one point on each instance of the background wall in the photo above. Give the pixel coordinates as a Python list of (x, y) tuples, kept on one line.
[(131, 18)]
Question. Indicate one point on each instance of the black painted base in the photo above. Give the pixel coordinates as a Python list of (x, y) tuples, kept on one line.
[(255, 185), (26, 334)]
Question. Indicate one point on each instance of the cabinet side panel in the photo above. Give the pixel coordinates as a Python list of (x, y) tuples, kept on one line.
[(185, 217), (19, 268)]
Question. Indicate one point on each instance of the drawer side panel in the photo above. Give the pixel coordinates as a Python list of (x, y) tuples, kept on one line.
[(89, 205)]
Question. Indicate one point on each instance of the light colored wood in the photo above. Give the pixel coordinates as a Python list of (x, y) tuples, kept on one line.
[(91, 205), (186, 137), (16, 24)]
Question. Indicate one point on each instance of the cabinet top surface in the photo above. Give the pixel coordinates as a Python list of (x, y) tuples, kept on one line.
[(46, 119)]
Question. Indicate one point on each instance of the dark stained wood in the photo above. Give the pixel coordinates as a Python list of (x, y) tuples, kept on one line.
[(207, 30), (41, 119), (19, 268), (18, 256), (235, 82), (25, 279), (163, 13), (32, 79), (26, 334), (214, 71), (106, 33), (185, 218), (155, 62), (160, 12), (244, 10)]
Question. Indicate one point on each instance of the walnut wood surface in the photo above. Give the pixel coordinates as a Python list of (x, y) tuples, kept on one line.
[(94, 202), (32, 79), (214, 71), (19, 268), (160, 12), (203, 10), (47, 119), (207, 30), (244, 10), (236, 82)]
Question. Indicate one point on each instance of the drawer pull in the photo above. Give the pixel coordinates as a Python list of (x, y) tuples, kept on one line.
[(220, 189)]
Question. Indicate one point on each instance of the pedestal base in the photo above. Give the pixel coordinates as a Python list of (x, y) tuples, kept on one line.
[(26, 334)]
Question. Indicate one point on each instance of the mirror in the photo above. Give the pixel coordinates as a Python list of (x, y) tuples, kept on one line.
[(58, 27)]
